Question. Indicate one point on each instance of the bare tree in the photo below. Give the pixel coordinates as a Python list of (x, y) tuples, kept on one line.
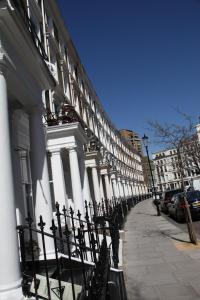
[(183, 139)]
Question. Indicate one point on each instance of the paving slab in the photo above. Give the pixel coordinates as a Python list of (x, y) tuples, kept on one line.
[(159, 261)]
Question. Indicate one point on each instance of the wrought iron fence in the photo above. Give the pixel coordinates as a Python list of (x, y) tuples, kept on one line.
[(57, 275), (85, 247)]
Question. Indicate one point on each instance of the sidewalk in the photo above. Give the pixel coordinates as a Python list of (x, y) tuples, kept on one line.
[(159, 261)]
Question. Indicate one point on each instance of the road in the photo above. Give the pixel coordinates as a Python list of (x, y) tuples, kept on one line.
[(183, 226)]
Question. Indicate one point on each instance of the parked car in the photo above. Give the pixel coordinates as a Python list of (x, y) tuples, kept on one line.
[(177, 205), (166, 198)]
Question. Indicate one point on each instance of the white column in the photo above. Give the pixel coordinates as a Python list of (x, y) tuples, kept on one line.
[(118, 187), (136, 189), (111, 188), (129, 192), (76, 181), (86, 187), (124, 187), (142, 189), (58, 178), (108, 188), (121, 188), (115, 189), (40, 176), (139, 192), (132, 189), (10, 277), (101, 186), (97, 192)]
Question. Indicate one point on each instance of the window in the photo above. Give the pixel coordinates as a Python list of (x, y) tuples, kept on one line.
[(26, 181)]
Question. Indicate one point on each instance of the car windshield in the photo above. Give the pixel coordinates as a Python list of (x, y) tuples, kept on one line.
[(193, 196)]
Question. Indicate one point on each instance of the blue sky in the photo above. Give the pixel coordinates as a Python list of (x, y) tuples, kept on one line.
[(142, 56)]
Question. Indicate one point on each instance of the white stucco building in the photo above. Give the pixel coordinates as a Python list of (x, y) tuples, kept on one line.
[(78, 155), (166, 171)]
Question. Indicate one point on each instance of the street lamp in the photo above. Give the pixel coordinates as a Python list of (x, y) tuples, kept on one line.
[(145, 143)]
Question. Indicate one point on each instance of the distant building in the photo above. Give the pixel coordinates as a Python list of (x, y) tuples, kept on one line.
[(167, 173), (133, 138), (167, 169)]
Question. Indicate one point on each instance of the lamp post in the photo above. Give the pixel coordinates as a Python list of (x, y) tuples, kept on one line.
[(145, 143)]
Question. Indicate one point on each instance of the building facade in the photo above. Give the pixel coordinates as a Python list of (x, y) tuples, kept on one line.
[(133, 138), (167, 170), (57, 142)]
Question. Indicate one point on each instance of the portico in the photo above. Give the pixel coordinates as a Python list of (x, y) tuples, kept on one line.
[(71, 138)]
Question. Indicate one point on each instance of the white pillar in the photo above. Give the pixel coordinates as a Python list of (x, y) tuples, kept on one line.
[(124, 187), (76, 181), (132, 189), (128, 188), (97, 192), (108, 188), (136, 189), (101, 186), (118, 187), (60, 195), (86, 187), (10, 277), (40, 177), (115, 188), (121, 188)]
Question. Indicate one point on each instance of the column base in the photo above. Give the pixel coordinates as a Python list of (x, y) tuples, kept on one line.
[(15, 294)]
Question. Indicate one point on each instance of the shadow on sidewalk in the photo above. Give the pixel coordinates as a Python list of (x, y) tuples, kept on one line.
[(141, 213), (174, 238)]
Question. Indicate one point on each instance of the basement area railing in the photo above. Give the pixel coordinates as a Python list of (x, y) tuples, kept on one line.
[(86, 248)]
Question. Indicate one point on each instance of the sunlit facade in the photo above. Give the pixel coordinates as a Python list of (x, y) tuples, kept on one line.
[(57, 142)]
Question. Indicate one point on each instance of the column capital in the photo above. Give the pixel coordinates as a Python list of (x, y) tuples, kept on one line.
[(113, 176), (72, 148), (54, 151), (94, 167)]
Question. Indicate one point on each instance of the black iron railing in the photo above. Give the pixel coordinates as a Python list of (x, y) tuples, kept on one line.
[(66, 115), (53, 272), (85, 247)]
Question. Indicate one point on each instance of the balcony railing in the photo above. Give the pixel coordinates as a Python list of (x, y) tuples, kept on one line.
[(66, 115)]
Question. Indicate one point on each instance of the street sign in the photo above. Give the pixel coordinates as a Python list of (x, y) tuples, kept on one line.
[(66, 288)]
